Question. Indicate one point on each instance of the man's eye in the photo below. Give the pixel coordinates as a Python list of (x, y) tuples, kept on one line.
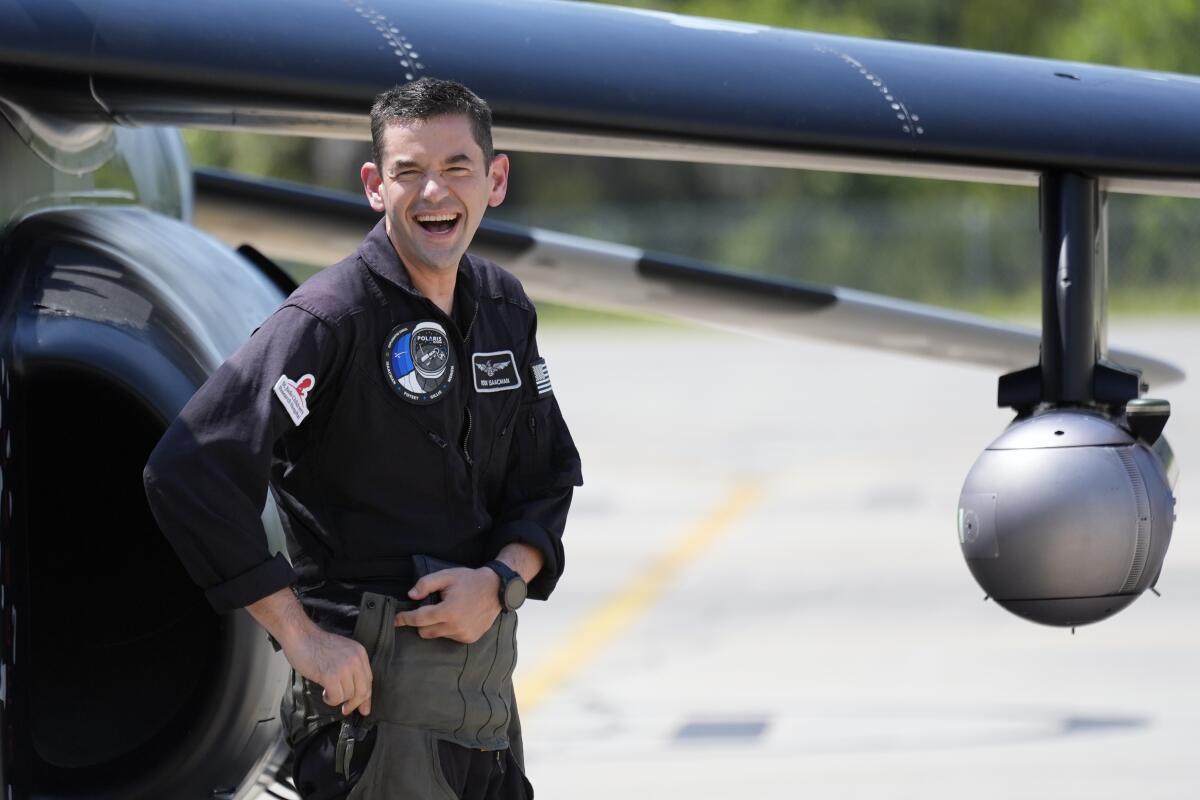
[(459, 170)]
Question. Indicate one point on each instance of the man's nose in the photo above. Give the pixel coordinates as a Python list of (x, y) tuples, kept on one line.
[(434, 190)]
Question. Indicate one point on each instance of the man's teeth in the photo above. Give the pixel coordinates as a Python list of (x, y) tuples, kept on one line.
[(436, 217)]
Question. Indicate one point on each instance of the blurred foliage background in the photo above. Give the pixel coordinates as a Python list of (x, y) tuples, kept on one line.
[(961, 245)]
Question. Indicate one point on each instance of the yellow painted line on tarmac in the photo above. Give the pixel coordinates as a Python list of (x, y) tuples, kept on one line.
[(623, 608)]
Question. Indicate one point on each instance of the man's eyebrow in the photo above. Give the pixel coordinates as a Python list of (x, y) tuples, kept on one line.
[(399, 165), (457, 158)]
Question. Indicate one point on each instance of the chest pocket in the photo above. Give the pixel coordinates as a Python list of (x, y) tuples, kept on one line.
[(496, 386), (534, 462), (497, 415)]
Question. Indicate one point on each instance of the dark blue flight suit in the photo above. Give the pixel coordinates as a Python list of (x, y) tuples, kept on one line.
[(386, 429)]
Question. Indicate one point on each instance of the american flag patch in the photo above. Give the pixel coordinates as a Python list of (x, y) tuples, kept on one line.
[(541, 376)]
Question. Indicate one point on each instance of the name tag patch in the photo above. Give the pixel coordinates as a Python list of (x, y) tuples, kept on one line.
[(495, 372), (294, 395)]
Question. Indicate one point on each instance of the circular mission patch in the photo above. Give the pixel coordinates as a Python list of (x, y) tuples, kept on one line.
[(419, 361)]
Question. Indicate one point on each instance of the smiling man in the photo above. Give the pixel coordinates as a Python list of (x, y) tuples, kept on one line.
[(398, 408)]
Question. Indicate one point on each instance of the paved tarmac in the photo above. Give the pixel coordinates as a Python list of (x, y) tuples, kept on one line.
[(765, 597)]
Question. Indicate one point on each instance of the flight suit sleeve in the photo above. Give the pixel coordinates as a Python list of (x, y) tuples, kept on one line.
[(543, 469), (206, 480)]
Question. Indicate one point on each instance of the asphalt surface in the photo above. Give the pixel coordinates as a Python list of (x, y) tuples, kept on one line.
[(765, 597)]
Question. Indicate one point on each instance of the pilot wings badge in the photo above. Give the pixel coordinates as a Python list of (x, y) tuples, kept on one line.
[(496, 372), (490, 369)]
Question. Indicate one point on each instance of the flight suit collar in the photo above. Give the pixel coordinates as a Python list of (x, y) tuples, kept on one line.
[(380, 257)]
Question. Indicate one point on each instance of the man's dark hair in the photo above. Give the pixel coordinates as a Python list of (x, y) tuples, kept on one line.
[(424, 99)]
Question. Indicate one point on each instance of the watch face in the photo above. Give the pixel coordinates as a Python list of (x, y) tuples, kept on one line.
[(514, 593)]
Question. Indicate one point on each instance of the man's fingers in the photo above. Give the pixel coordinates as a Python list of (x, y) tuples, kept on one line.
[(361, 698), (351, 685), (435, 631), (349, 703), (420, 617), (347, 688), (433, 582), (338, 688), (339, 665), (335, 692), (365, 661)]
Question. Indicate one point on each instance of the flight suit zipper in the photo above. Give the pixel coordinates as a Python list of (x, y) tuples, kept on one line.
[(466, 337), (467, 438), (471, 324), (466, 441)]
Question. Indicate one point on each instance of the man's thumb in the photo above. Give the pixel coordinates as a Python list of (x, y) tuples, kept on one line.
[(434, 582)]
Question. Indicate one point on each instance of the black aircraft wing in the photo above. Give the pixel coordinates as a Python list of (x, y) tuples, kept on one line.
[(602, 80), (580, 78), (298, 223)]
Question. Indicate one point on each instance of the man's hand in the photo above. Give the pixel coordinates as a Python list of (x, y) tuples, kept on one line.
[(338, 664), (469, 606)]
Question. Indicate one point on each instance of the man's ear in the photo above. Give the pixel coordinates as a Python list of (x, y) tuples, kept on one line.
[(372, 183), (498, 175)]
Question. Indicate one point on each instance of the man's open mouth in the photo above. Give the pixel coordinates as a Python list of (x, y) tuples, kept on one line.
[(443, 222)]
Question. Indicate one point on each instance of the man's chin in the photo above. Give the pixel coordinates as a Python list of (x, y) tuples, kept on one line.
[(440, 261), (428, 256)]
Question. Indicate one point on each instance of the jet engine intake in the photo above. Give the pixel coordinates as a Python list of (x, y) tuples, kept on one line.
[(120, 680)]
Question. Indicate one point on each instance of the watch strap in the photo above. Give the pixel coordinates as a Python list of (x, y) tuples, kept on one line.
[(505, 572)]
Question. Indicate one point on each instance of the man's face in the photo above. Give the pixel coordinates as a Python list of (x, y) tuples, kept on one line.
[(433, 187)]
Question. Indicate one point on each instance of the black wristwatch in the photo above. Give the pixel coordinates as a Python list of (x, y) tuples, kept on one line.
[(512, 585)]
